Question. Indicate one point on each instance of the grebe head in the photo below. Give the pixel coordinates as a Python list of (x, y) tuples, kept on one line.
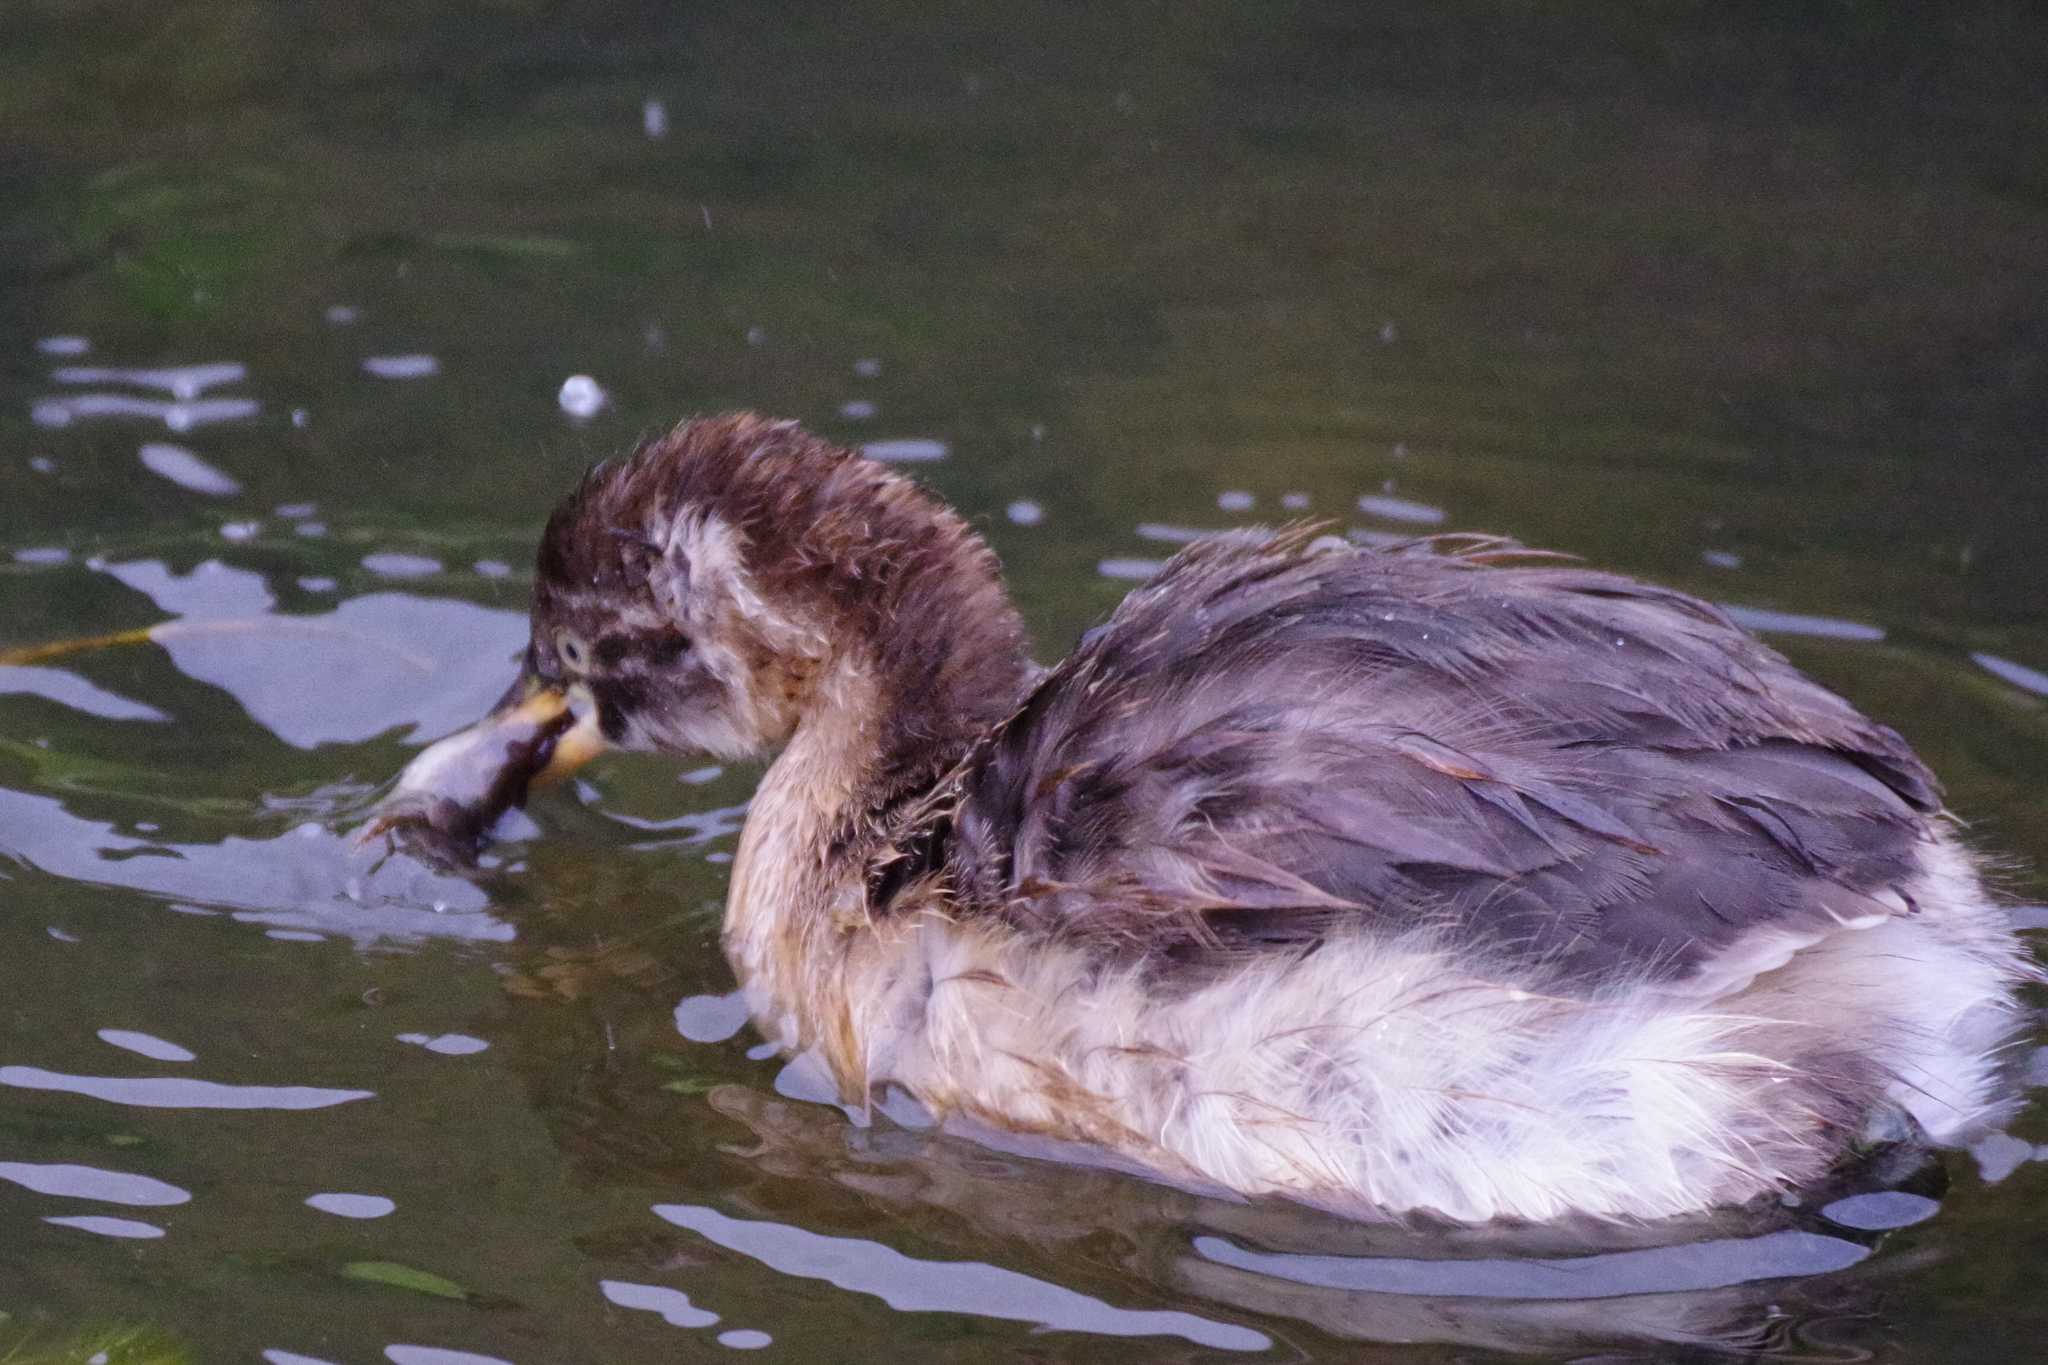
[(656, 613), (717, 588)]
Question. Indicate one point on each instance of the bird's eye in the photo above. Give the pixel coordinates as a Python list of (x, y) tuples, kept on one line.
[(574, 652)]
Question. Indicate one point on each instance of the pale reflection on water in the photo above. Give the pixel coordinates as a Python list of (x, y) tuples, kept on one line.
[(920, 1286), (185, 469), (180, 381), (179, 1092), (146, 1045), (309, 877), (90, 1182), (384, 659), (1730, 1280), (68, 689), (179, 415), (1743, 303), (124, 1228)]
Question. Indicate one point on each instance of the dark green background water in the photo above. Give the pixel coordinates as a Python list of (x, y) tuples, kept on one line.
[(1747, 298)]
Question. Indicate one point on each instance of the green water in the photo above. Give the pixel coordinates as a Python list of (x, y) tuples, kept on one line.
[(1747, 299)]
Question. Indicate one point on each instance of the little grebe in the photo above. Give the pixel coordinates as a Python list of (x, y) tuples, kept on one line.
[(1449, 877)]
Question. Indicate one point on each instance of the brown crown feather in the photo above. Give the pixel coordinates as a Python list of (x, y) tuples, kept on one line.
[(879, 565)]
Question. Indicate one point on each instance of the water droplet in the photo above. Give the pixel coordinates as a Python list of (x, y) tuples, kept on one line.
[(581, 396)]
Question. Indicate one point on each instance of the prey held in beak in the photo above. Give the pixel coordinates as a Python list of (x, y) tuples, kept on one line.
[(454, 791)]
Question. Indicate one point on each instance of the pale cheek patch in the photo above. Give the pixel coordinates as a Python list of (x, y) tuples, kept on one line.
[(757, 653), (710, 585)]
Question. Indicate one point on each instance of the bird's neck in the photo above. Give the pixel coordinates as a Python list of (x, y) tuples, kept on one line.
[(883, 724)]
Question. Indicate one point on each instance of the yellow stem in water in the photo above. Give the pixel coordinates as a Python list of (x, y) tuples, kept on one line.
[(57, 649), (169, 630)]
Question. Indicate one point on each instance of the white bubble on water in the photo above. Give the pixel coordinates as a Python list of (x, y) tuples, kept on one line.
[(581, 396)]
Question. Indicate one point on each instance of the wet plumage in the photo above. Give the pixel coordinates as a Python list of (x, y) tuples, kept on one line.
[(1281, 738), (1453, 877)]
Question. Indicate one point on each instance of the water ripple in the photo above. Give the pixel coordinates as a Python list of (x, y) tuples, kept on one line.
[(401, 366), (1793, 623), (1401, 509), (352, 1205), (108, 1227), (177, 416), (1134, 569), (307, 879), (2019, 675), (912, 1285), (179, 1092), (147, 1045), (446, 1044), (911, 450), (401, 1354), (1682, 1267), (672, 1305), (186, 469), (179, 381), (711, 1018), (68, 689), (90, 1182)]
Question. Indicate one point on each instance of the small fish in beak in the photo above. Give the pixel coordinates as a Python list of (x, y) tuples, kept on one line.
[(449, 796)]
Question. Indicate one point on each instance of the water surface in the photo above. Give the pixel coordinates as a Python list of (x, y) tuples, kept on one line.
[(307, 314)]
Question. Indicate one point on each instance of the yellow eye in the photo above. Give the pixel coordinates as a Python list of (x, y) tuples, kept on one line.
[(574, 652)]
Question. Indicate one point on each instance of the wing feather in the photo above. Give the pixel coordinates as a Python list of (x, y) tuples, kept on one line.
[(1273, 741)]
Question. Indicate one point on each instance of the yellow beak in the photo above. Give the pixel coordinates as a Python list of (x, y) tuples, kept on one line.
[(567, 715), (458, 786)]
